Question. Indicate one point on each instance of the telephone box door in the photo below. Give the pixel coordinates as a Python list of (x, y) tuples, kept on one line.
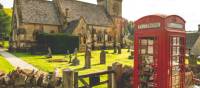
[(147, 59)]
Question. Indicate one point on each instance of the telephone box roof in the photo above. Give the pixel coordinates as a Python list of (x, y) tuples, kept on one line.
[(161, 16)]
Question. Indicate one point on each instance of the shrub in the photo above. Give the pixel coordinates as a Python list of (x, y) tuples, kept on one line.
[(59, 42)]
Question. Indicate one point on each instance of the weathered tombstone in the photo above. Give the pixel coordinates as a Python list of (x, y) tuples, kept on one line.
[(75, 51), (67, 53), (102, 57), (87, 59), (49, 55), (119, 50), (132, 55), (115, 50), (70, 58), (128, 48), (75, 61)]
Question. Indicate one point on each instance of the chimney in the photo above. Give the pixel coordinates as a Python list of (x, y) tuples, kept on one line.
[(199, 28), (100, 2)]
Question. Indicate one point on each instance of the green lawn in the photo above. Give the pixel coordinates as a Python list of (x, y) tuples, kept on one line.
[(5, 65), (42, 63)]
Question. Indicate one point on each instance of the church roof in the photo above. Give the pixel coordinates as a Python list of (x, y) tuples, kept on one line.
[(37, 11), (191, 39), (92, 13), (71, 26)]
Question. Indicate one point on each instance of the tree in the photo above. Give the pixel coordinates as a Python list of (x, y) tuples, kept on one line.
[(5, 22), (130, 28), (1, 6)]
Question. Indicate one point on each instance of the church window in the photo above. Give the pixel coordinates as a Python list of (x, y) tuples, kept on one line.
[(84, 40), (109, 38), (52, 31)]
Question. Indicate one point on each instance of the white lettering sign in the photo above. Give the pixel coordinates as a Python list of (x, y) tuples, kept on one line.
[(150, 25), (175, 25)]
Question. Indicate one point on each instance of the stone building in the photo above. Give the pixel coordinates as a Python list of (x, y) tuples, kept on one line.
[(193, 43), (96, 24)]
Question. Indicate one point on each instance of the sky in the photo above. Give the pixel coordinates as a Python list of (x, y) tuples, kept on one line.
[(135, 9)]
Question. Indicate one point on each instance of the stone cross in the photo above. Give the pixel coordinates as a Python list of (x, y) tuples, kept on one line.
[(87, 59), (102, 57)]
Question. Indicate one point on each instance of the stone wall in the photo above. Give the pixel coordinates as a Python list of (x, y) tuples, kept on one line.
[(24, 39)]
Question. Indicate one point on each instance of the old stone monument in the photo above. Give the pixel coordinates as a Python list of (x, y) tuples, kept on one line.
[(87, 58), (75, 51), (119, 49), (128, 48), (70, 58), (49, 55), (75, 61), (67, 53), (102, 57)]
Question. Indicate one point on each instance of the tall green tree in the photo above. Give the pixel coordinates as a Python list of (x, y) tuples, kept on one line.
[(5, 22)]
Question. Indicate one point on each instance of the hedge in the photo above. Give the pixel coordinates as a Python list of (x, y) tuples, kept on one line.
[(59, 42)]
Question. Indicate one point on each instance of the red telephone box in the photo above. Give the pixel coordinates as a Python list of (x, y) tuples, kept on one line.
[(159, 50)]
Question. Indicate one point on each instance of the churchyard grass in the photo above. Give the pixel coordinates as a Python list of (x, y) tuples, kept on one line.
[(5, 65), (42, 63)]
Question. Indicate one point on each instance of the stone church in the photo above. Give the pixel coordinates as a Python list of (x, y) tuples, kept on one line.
[(95, 24)]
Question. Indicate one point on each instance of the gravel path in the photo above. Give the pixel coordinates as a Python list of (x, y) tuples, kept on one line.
[(15, 61)]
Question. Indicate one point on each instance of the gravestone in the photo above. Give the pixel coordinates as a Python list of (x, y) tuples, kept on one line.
[(49, 55), (115, 50), (119, 49), (67, 53), (102, 57), (132, 55), (87, 59), (75, 61), (70, 58), (75, 51), (128, 48)]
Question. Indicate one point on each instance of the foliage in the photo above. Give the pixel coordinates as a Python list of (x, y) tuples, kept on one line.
[(8, 11), (5, 22), (131, 30), (1, 6), (59, 42), (5, 65)]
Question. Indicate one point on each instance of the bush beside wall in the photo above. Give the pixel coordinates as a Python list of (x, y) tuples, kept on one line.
[(59, 42)]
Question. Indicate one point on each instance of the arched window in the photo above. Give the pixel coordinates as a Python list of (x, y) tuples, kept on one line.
[(21, 32)]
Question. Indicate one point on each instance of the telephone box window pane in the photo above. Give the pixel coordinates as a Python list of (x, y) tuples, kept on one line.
[(143, 51), (175, 60), (174, 50), (178, 51), (149, 59), (143, 42), (150, 42), (174, 41), (178, 40), (150, 49)]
